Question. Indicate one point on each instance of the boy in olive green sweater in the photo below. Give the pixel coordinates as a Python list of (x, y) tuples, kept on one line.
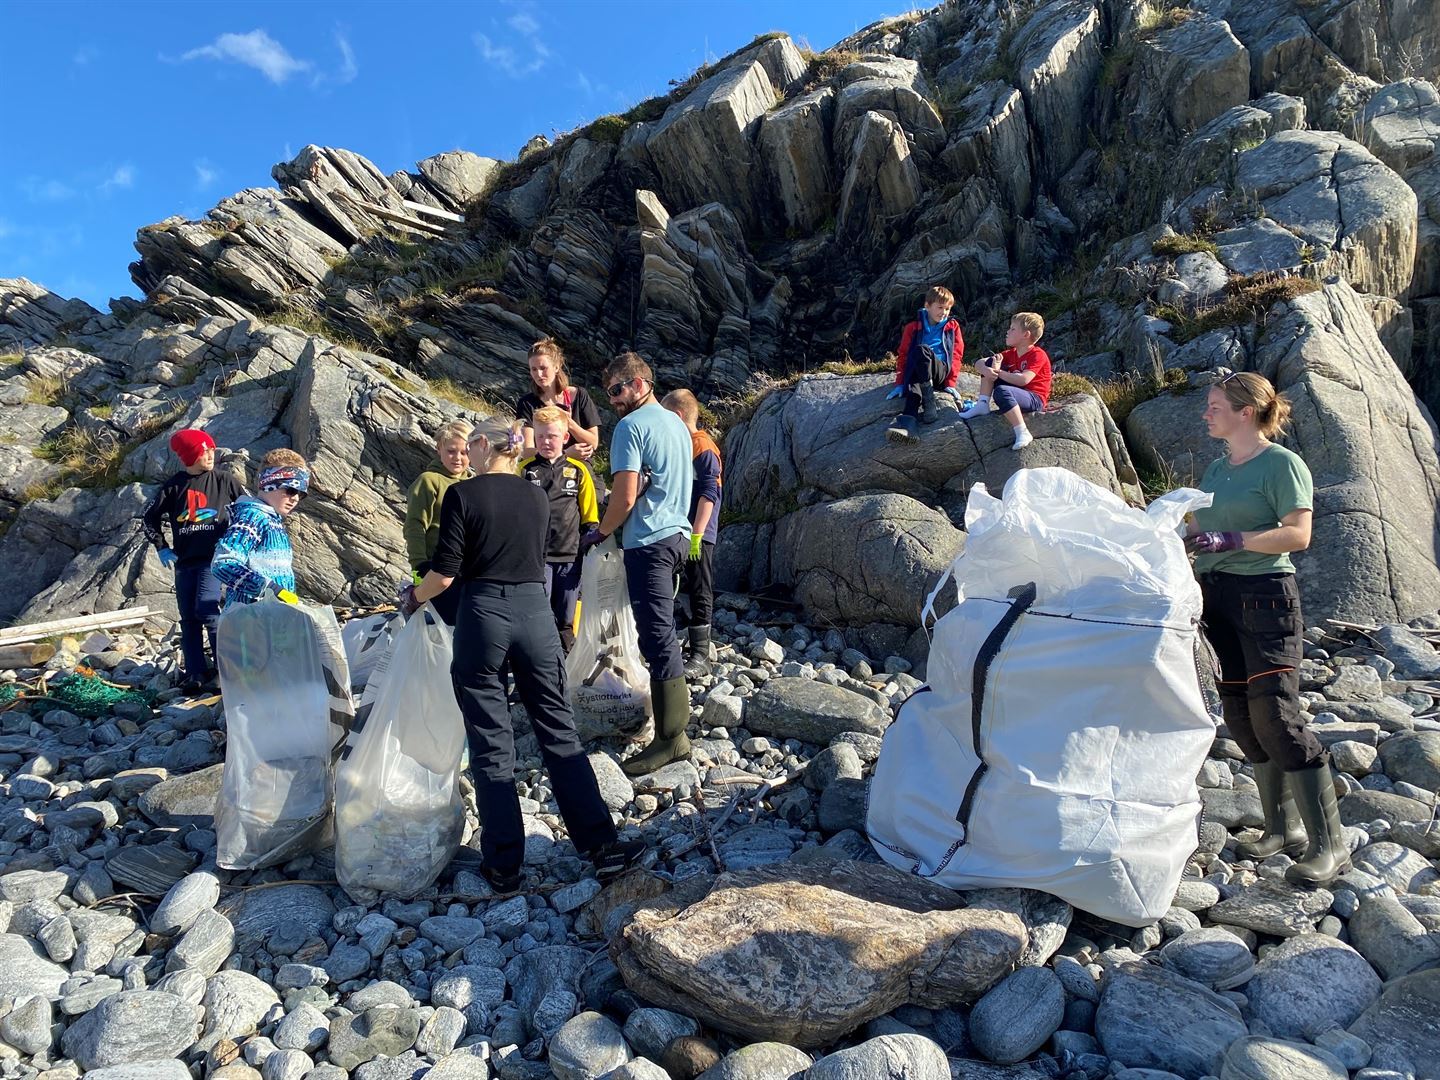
[(422, 511)]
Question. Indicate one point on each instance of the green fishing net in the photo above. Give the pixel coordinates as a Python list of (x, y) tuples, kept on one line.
[(85, 695)]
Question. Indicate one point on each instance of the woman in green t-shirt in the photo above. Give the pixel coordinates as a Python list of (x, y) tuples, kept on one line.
[(1242, 544)]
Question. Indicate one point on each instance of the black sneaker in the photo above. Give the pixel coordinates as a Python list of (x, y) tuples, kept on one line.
[(615, 858)]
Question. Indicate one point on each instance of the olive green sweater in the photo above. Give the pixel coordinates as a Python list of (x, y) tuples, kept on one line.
[(422, 512)]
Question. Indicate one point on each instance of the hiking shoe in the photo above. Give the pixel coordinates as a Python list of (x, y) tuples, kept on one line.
[(903, 430), (928, 414), (615, 858), (1023, 438)]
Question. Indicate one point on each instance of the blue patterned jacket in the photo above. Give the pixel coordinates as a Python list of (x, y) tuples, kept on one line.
[(254, 556)]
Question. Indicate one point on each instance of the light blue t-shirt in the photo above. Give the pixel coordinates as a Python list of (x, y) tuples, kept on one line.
[(655, 443)]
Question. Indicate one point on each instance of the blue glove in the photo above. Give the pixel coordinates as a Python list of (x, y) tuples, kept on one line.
[(590, 539), (895, 393), (168, 558), (953, 392), (406, 601), (1212, 543)]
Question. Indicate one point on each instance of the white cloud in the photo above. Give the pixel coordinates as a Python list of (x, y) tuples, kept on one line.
[(205, 174), (37, 190), (348, 67), (257, 49), (524, 56), (123, 178)]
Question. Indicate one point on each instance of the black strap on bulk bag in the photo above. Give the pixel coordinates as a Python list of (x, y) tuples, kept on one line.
[(1022, 596)]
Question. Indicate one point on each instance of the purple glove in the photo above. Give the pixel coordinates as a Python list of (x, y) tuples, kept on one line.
[(590, 538), (407, 602), (1212, 543)]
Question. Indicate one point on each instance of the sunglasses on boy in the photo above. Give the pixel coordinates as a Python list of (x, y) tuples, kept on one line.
[(293, 491)]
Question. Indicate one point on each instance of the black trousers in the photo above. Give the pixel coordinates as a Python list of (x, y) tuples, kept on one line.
[(919, 371), (651, 572), (496, 623), (1254, 623), (697, 583)]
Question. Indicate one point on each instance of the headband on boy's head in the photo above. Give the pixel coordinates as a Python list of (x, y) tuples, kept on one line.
[(285, 476)]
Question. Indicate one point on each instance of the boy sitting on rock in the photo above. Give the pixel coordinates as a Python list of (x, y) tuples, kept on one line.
[(566, 481), (196, 503), (931, 348), (1017, 380), (254, 557)]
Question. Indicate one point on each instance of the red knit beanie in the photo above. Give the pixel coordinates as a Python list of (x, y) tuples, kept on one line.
[(189, 444)]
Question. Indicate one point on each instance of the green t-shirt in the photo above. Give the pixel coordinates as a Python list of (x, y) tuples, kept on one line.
[(1251, 497)]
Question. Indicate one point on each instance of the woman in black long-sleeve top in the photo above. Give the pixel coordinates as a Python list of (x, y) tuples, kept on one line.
[(492, 546)]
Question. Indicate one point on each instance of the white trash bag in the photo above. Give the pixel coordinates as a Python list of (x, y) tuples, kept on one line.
[(287, 707), (367, 641), (398, 810), (1057, 743), (608, 682)]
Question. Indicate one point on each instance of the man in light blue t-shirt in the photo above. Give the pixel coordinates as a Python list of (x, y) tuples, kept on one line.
[(650, 498)]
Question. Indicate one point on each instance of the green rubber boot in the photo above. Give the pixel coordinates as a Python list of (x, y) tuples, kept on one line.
[(671, 701), (1284, 831), (1327, 856)]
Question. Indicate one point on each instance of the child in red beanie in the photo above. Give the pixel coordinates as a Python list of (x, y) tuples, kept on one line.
[(196, 502)]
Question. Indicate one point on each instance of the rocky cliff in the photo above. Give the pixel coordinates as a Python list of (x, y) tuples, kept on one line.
[(1173, 186)]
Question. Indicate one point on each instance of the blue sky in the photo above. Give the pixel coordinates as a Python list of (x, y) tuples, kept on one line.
[(122, 114)]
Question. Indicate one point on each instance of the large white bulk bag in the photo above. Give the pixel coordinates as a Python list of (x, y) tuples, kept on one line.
[(1057, 742)]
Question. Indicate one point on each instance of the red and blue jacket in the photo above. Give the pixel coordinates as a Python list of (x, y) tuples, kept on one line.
[(954, 348)]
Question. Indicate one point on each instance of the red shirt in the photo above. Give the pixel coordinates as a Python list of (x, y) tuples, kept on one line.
[(1035, 360)]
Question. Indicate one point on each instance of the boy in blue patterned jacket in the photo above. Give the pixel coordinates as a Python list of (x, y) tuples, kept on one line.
[(254, 556)]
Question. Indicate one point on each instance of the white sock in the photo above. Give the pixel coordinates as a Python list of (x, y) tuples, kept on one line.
[(983, 399)]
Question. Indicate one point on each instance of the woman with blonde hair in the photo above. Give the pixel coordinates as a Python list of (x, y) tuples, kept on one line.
[(550, 385), (1242, 544), (491, 546)]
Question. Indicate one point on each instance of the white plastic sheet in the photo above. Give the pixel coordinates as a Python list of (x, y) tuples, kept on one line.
[(1057, 744), (287, 705), (398, 810), (608, 682)]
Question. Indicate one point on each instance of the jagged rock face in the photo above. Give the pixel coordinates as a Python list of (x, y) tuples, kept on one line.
[(365, 426), (1370, 450)]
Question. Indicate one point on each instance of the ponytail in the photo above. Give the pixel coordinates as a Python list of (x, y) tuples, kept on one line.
[(1247, 390)]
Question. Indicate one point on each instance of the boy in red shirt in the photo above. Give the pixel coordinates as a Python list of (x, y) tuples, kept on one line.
[(928, 359), (1017, 380)]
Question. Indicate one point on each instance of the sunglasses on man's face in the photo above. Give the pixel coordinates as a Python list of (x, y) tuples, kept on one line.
[(618, 389)]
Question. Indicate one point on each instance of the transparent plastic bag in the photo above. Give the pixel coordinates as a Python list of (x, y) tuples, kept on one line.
[(367, 641), (608, 682), (398, 810), (287, 706)]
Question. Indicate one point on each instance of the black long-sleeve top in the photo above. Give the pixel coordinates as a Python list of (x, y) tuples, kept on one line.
[(493, 528)]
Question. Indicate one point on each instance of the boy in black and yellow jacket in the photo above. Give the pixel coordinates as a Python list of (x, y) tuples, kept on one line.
[(567, 482)]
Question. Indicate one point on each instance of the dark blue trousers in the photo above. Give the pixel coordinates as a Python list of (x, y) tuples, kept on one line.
[(197, 592), (652, 573)]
